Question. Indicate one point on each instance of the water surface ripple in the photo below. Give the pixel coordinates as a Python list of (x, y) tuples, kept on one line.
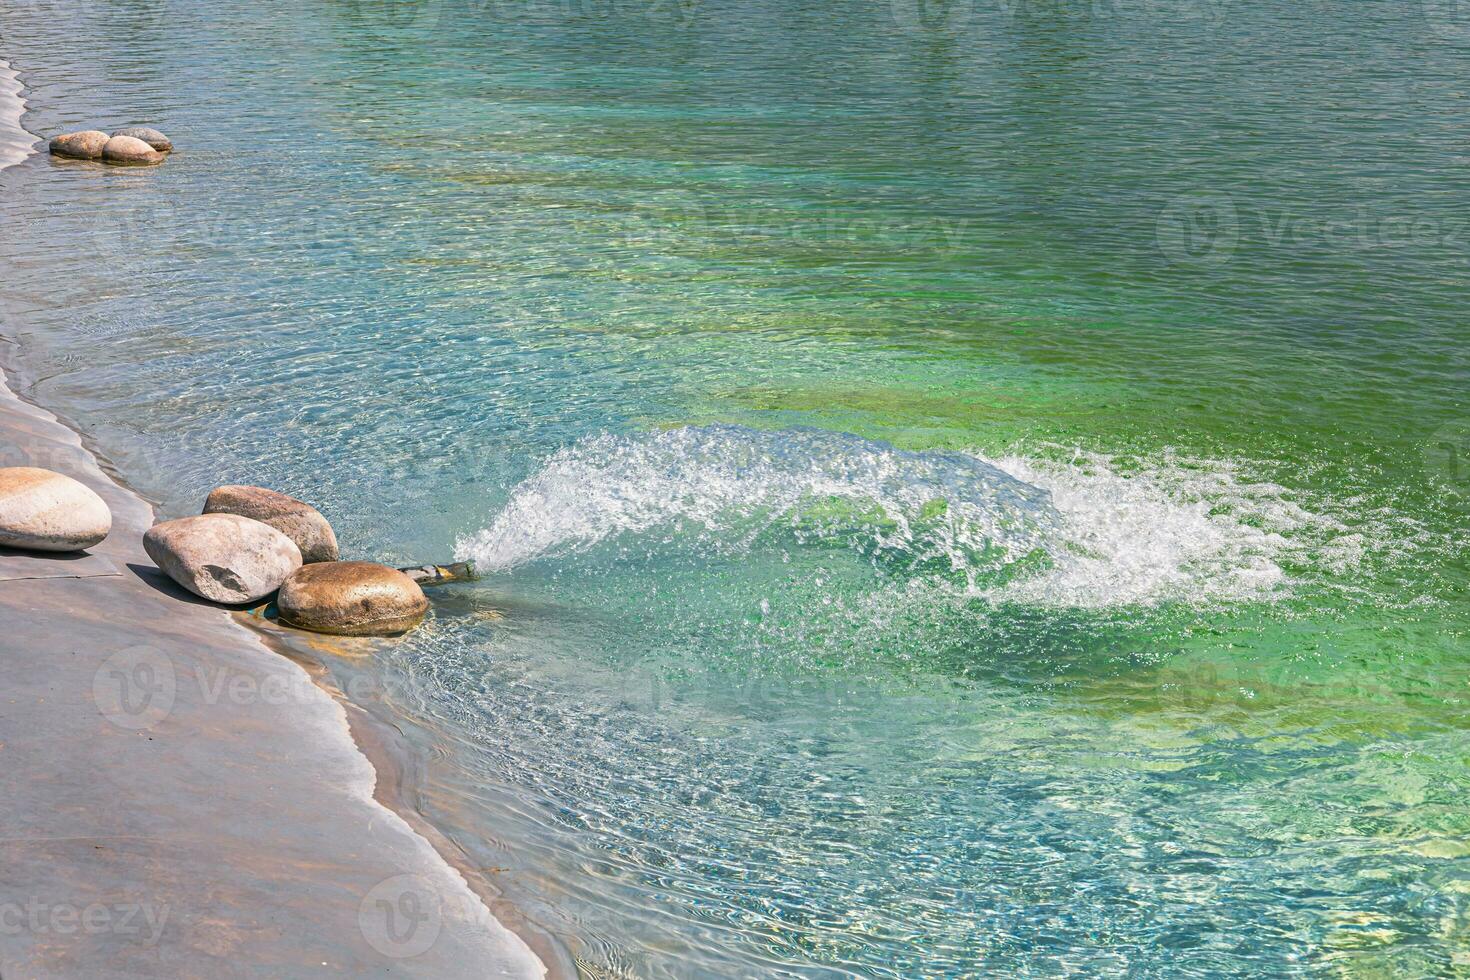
[(968, 489)]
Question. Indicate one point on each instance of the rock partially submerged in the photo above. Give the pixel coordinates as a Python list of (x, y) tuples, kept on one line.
[(152, 137), (85, 145), (299, 521), (138, 146), (223, 557), (129, 151), (41, 510), (352, 598)]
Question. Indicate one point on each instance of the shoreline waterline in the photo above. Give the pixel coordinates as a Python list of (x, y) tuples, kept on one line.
[(399, 767), (15, 142), (129, 607)]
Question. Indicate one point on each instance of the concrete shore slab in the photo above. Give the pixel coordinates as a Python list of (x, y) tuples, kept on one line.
[(177, 800), (15, 565)]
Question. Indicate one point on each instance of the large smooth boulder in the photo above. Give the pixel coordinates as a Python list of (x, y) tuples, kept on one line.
[(152, 137), (223, 557), (352, 598), (86, 145), (299, 521), (129, 151), (41, 510)]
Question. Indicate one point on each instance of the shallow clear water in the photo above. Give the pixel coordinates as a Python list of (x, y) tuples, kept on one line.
[(968, 490)]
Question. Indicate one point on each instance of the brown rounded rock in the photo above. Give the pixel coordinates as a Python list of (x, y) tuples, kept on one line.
[(152, 137), (297, 520), (223, 557), (129, 151), (86, 145), (41, 510), (352, 598)]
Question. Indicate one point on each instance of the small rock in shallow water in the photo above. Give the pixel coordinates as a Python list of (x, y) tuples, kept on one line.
[(130, 151), (299, 521), (41, 510), (152, 137), (86, 145), (352, 598), (223, 557)]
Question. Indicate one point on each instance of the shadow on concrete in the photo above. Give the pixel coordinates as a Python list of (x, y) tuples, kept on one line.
[(155, 579), (57, 556)]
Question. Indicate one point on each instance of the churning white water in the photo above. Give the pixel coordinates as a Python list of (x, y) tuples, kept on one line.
[(728, 485), (1169, 530)]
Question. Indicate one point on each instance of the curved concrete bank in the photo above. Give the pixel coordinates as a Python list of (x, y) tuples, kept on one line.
[(175, 799), (15, 142)]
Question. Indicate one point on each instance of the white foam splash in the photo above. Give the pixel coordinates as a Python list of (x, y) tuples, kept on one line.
[(736, 483), (1117, 533), (1172, 529), (15, 142)]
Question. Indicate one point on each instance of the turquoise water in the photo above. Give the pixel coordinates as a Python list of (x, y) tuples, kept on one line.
[(967, 489)]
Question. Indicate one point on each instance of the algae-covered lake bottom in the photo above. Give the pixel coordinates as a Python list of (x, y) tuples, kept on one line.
[(964, 491)]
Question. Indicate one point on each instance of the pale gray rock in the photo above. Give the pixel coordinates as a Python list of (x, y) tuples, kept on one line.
[(223, 557), (152, 137), (128, 151), (41, 510)]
